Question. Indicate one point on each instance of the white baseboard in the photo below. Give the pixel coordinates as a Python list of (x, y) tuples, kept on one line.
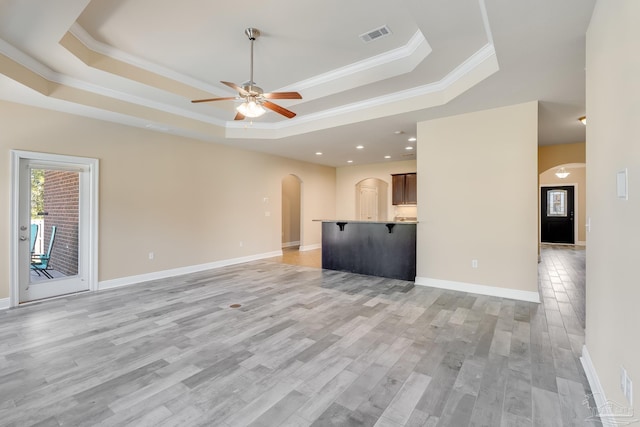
[(592, 376), (4, 303), (290, 244), (310, 247), (493, 291), (130, 280), (604, 408)]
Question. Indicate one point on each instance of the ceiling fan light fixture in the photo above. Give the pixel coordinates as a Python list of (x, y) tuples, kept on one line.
[(251, 108)]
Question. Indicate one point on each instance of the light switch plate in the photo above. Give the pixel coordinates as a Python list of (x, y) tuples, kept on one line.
[(622, 183)]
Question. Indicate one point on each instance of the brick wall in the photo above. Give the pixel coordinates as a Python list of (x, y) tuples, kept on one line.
[(61, 204)]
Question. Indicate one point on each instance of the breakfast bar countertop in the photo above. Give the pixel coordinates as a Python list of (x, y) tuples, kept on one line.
[(364, 221)]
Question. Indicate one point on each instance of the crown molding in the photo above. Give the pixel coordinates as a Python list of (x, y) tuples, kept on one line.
[(476, 63)]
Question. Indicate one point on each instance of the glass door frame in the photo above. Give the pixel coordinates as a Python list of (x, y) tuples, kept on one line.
[(90, 192)]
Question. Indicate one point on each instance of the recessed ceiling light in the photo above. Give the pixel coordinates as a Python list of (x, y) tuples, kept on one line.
[(399, 132), (408, 147), (349, 161), (360, 147), (413, 139), (318, 153), (387, 157)]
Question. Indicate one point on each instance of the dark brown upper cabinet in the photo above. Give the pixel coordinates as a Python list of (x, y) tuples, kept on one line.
[(404, 188)]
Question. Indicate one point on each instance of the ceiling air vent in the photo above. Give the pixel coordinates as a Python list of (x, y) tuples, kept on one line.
[(372, 35)]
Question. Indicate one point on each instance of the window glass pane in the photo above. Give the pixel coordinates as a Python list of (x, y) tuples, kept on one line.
[(557, 203), (55, 196)]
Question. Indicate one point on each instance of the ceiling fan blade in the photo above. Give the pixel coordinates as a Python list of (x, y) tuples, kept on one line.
[(239, 116), (282, 95), (213, 99), (278, 109), (240, 90)]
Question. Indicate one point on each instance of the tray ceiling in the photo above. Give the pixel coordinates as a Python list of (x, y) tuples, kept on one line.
[(139, 62)]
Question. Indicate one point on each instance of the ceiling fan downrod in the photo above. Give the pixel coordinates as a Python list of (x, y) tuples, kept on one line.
[(253, 34)]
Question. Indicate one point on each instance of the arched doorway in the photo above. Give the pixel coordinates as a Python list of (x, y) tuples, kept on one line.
[(291, 211), (371, 199)]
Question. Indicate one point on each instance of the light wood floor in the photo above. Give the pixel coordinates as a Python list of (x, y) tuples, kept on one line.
[(306, 347), (293, 256)]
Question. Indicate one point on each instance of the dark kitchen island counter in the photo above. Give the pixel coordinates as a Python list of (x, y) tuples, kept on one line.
[(375, 248)]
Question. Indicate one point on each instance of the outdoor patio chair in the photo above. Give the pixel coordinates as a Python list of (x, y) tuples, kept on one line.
[(34, 236), (40, 263)]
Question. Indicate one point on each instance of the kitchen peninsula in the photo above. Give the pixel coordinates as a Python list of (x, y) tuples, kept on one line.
[(375, 248)]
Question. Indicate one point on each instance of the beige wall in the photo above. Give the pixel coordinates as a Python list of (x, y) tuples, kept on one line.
[(550, 156), (477, 173), (613, 144), (578, 178), (187, 201), (347, 177), (290, 210)]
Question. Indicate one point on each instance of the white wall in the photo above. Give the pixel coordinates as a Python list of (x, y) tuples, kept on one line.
[(613, 144), (478, 197)]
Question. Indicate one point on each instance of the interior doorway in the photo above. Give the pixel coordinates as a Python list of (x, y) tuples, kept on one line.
[(371, 199), (54, 226), (566, 175), (291, 212)]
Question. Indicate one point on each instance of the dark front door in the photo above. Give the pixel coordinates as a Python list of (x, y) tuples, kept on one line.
[(557, 215)]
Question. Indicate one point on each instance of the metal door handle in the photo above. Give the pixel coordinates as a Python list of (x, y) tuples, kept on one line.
[(23, 238)]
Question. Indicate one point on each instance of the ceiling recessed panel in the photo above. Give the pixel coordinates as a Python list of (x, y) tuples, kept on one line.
[(205, 40)]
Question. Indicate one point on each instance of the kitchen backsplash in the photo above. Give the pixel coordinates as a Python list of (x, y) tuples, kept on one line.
[(407, 212)]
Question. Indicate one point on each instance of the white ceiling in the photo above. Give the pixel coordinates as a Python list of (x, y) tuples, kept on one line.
[(139, 62)]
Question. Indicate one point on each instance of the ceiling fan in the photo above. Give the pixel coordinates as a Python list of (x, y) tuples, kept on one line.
[(255, 99)]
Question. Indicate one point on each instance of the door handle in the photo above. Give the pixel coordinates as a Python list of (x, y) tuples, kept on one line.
[(23, 238)]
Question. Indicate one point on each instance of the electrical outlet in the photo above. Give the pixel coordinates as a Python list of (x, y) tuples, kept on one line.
[(151, 255), (241, 243), (474, 263), (267, 213)]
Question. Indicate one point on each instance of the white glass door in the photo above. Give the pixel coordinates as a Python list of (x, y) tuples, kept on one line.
[(54, 233)]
